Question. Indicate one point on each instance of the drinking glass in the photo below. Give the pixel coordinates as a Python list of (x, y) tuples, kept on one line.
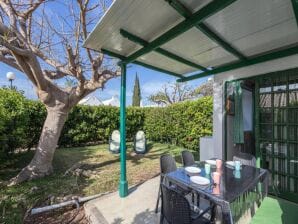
[(216, 177), (237, 165), (207, 168), (218, 163)]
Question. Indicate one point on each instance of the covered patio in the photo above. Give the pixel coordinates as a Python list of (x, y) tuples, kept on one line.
[(230, 39)]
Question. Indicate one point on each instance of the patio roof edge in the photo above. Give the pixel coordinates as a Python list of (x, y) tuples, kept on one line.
[(252, 61), (295, 8), (183, 11), (207, 11), (161, 51), (122, 58)]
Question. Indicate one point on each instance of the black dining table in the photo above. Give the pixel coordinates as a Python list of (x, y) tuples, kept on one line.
[(237, 189)]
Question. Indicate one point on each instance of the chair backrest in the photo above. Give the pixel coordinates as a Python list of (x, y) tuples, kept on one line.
[(187, 158), (167, 164), (140, 142), (245, 159), (115, 142), (175, 208)]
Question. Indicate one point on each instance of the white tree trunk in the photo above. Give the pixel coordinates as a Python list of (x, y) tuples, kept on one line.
[(41, 164)]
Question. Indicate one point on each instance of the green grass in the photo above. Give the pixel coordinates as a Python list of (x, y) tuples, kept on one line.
[(16, 200), (276, 211)]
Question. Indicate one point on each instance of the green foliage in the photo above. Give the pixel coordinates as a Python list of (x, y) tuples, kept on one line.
[(136, 98), (16, 200), (13, 120), (91, 124), (182, 124), (36, 115)]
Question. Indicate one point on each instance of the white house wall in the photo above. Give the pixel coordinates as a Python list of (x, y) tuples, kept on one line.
[(218, 87)]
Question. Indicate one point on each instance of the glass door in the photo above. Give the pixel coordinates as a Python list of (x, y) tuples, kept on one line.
[(276, 111)]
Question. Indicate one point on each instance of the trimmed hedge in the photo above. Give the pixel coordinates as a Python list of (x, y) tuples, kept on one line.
[(182, 124), (94, 124)]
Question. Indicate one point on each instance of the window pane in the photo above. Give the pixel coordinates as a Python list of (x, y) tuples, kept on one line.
[(266, 131), (280, 115), (280, 99), (293, 133), (265, 115), (293, 116), (265, 100), (280, 132), (293, 98)]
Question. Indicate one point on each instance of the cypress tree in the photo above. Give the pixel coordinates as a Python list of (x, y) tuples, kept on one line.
[(136, 97)]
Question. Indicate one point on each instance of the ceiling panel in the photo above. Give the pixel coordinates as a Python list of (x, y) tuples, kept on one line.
[(214, 57), (256, 26), (160, 61), (190, 43), (251, 26), (146, 19)]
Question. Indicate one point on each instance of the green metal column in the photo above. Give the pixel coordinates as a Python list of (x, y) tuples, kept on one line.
[(123, 186)]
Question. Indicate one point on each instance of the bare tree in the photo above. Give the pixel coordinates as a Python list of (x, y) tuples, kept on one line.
[(43, 39), (173, 93), (206, 89)]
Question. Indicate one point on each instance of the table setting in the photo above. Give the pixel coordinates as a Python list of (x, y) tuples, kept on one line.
[(221, 182)]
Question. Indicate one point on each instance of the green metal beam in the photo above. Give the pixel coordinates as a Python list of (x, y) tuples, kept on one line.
[(115, 55), (123, 185), (186, 13), (207, 11), (295, 8), (166, 53), (250, 61)]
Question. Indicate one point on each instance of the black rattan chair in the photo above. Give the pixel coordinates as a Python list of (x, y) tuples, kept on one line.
[(187, 158), (175, 208), (167, 165)]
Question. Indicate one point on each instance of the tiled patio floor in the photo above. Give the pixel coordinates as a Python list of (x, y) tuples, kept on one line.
[(137, 208)]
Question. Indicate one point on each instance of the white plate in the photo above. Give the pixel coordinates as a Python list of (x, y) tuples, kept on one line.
[(199, 180), (192, 169), (231, 164), (211, 162)]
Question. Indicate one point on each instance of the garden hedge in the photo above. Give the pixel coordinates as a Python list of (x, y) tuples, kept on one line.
[(183, 123)]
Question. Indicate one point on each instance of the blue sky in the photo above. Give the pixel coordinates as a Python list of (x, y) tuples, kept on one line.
[(150, 81)]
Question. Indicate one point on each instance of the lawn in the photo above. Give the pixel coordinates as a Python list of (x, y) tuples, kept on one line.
[(97, 160)]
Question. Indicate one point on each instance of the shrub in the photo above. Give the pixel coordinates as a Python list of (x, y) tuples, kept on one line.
[(95, 124), (13, 120), (182, 124)]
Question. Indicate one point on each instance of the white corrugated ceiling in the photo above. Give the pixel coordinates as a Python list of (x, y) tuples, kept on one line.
[(251, 26)]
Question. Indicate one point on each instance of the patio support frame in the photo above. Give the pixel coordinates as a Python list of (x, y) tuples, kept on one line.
[(186, 13), (295, 8), (138, 40), (123, 185), (207, 11), (251, 61), (113, 54)]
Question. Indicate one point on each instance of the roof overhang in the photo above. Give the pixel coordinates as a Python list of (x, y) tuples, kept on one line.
[(181, 37)]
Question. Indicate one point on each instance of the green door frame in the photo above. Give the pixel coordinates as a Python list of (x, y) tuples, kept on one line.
[(286, 195)]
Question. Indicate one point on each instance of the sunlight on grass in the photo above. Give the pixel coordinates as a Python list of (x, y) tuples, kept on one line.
[(15, 201)]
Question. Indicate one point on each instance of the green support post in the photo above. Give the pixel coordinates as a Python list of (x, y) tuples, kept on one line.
[(295, 8), (123, 186)]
